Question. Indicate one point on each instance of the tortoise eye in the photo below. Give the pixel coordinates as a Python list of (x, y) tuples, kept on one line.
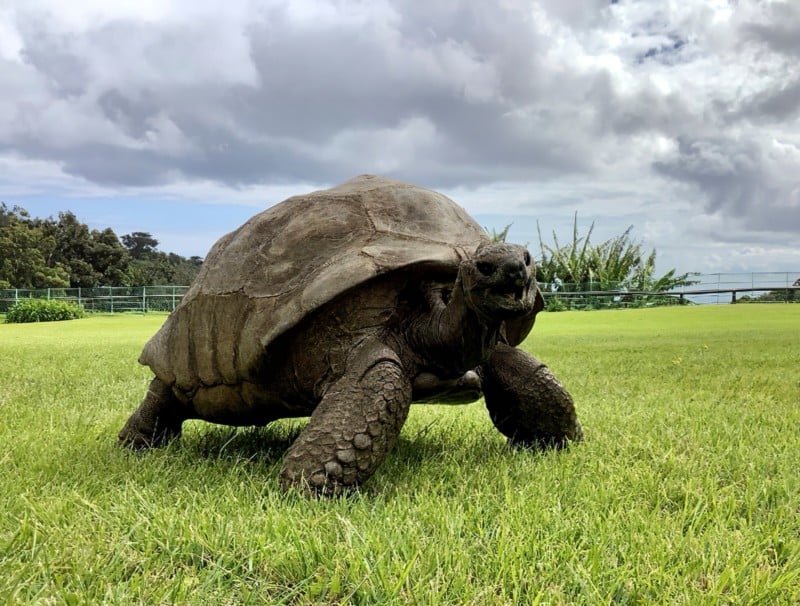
[(487, 269)]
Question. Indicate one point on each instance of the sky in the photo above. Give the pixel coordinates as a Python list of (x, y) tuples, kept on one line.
[(184, 118)]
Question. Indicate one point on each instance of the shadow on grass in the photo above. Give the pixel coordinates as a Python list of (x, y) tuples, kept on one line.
[(265, 445), (432, 455), (269, 444)]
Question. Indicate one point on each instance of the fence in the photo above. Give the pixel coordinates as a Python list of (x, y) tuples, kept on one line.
[(108, 299), (763, 287), (706, 288)]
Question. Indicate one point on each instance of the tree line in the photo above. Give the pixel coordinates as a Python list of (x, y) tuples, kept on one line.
[(64, 253)]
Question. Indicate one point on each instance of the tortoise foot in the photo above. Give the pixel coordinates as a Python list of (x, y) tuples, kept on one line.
[(353, 428), (156, 422), (526, 402)]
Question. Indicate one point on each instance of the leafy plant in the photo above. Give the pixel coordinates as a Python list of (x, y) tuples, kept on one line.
[(555, 304), (498, 236), (41, 310), (616, 264)]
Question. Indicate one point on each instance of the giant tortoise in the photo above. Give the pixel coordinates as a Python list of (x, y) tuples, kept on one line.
[(347, 305)]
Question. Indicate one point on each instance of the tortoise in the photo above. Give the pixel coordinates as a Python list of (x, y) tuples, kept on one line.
[(347, 305)]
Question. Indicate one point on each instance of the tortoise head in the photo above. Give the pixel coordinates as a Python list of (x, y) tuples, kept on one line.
[(499, 281)]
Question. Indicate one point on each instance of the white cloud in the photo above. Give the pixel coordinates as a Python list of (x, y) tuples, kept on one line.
[(623, 111)]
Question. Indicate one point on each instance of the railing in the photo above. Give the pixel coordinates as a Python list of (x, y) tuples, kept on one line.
[(764, 287), (706, 288), (108, 299), (724, 288)]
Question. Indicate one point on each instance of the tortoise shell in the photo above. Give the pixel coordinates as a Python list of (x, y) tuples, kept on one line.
[(262, 279)]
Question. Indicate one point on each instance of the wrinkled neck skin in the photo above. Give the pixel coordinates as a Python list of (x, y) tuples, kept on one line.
[(452, 337)]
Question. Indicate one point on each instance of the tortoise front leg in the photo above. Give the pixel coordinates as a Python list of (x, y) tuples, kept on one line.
[(354, 426), (158, 419), (526, 402)]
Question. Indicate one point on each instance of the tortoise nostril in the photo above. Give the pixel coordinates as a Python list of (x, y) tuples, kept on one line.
[(515, 271)]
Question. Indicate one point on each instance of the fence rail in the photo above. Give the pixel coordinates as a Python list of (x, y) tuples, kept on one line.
[(108, 299), (766, 287), (706, 288)]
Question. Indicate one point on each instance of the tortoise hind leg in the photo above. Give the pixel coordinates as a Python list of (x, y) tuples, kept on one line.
[(353, 427), (526, 402), (157, 421)]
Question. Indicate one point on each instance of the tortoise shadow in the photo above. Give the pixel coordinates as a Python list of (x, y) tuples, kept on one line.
[(260, 450), (267, 446)]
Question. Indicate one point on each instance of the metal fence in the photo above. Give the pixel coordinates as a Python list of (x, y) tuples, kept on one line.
[(763, 287), (706, 288), (108, 299), (730, 287)]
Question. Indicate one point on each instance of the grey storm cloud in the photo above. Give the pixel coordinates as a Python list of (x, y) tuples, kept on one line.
[(739, 180), (776, 26), (51, 56), (778, 103), (463, 87), (775, 29), (445, 93)]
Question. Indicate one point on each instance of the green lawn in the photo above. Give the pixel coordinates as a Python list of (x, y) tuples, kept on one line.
[(685, 491)]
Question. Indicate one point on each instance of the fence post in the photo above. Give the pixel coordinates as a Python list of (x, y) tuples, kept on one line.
[(789, 293), (111, 299), (144, 299), (173, 298)]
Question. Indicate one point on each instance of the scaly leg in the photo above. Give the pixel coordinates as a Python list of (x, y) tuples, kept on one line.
[(526, 402), (157, 421), (354, 426)]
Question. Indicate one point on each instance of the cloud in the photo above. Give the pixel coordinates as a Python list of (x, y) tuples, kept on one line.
[(596, 104), (774, 24), (284, 93), (746, 179)]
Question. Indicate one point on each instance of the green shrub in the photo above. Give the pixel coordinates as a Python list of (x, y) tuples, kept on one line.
[(555, 304), (40, 310)]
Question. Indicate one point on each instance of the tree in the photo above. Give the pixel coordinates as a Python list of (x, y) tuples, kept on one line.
[(109, 257), (152, 271), (184, 270), (161, 268), (23, 250), (91, 257), (73, 250), (63, 252), (140, 244)]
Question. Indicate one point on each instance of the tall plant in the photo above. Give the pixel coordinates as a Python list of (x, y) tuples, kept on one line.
[(498, 236), (617, 263)]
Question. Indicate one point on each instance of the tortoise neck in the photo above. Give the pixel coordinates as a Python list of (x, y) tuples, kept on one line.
[(452, 337)]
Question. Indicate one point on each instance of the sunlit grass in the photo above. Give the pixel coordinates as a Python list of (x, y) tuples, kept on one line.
[(685, 491)]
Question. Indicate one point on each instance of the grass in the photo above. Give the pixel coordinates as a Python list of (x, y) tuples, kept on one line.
[(685, 491)]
